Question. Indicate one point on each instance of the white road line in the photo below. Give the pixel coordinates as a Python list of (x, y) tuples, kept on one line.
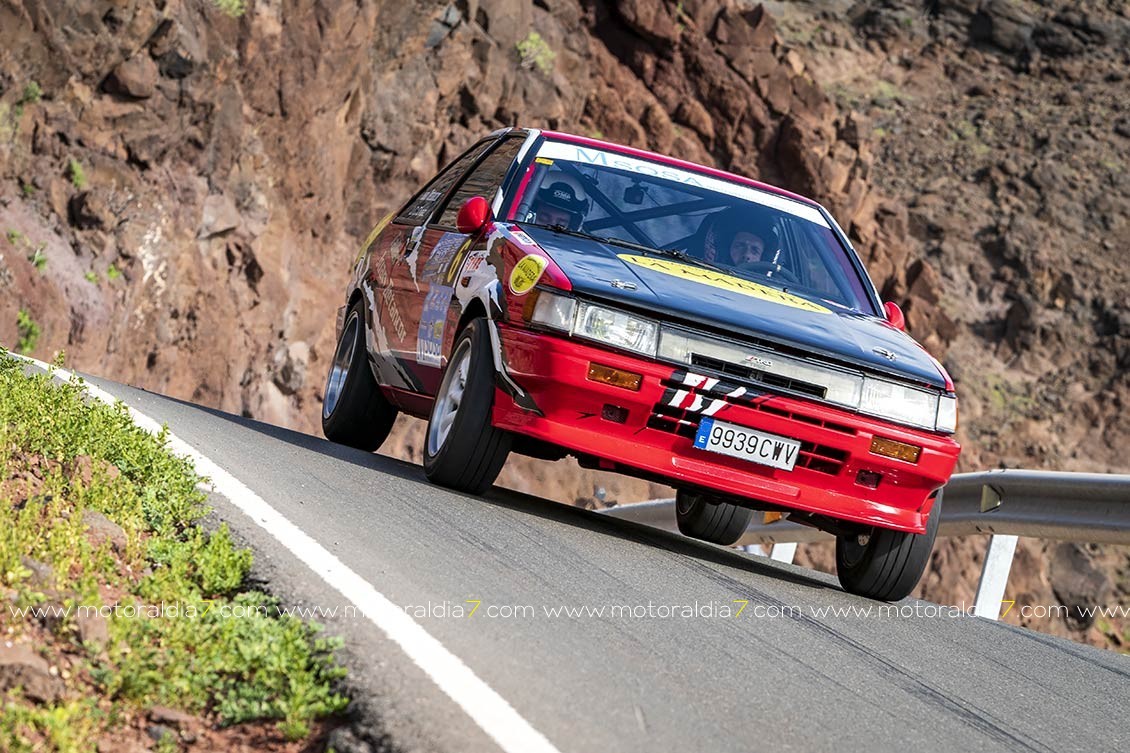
[(494, 715)]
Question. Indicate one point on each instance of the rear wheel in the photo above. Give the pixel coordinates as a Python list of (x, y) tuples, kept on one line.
[(354, 412), (885, 564), (702, 517), (462, 449)]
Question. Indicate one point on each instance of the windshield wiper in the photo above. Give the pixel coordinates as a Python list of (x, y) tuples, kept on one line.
[(683, 256), (670, 253)]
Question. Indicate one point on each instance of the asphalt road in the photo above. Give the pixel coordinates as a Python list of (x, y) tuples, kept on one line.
[(781, 676)]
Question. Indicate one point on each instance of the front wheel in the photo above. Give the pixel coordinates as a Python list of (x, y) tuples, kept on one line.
[(462, 449), (701, 517), (885, 564), (354, 411)]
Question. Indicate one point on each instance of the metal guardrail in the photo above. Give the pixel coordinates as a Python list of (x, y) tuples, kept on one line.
[(1093, 507)]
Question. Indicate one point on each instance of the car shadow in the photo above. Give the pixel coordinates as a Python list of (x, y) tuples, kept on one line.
[(527, 504)]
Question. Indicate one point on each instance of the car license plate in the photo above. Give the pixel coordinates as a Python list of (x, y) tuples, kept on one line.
[(747, 444)]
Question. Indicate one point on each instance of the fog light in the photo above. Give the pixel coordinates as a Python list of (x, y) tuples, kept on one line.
[(898, 450), (870, 479), (615, 377), (614, 413)]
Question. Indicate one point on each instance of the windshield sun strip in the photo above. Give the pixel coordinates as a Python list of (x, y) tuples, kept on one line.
[(578, 154)]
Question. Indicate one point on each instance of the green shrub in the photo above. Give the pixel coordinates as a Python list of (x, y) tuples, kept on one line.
[(27, 330), (235, 654), (534, 52), (32, 94), (76, 174), (231, 8)]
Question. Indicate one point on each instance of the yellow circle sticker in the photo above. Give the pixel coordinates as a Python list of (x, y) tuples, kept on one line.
[(526, 274), (723, 281)]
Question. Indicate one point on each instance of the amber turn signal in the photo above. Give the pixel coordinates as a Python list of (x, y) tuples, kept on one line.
[(615, 377), (898, 450)]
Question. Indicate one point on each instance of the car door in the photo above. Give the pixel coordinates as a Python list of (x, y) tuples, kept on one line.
[(442, 250), (391, 283)]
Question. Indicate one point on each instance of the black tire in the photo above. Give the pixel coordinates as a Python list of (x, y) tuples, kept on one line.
[(890, 564), (470, 453), (702, 517), (354, 411)]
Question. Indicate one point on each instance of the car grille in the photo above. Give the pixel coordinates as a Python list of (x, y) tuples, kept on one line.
[(760, 377), (688, 397)]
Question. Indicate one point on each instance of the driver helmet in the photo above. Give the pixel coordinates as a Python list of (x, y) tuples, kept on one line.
[(561, 201)]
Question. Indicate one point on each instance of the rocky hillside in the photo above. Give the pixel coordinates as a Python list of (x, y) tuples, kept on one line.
[(1003, 127), (182, 185)]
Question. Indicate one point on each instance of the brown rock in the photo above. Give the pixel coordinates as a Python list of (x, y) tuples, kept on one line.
[(82, 469), (923, 281), (89, 210), (695, 115), (92, 629), (1077, 583), (219, 216), (171, 718), (22, 667), (135, 78), (100, 530), (42, 574)]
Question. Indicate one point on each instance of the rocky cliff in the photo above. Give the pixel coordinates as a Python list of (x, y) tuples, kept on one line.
[(182, 186)]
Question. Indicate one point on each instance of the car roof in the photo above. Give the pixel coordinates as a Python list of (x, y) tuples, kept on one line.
[(673, 162)]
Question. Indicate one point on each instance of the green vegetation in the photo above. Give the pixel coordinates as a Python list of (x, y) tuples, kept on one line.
[(27, 330), (963, 130), (38, 258), (534, 52), (225, 651), (886, 93), (76, 174), (27, 189), (113, 273), (92, 277), (15, 237), (32, 94), (231, 8)]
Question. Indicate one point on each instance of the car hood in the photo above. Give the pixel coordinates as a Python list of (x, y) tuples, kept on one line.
[(687, 293)]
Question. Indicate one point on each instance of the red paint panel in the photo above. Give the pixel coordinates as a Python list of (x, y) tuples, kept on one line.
[(554, 370)]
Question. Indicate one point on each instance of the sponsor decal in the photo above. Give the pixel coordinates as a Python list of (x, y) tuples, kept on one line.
[(522, 238), (526, 274), (433, 320), (448, 245), (425, 203), (724, 282), (471, 265), (543, 161)]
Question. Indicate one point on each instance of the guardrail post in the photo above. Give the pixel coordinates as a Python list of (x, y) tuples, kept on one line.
[(994, 576), (784, 553)]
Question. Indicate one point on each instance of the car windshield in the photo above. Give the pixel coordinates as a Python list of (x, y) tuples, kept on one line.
[(701, 219)]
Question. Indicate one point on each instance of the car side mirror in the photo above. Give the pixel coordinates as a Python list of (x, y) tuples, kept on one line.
[(473, 216), (894, 315)]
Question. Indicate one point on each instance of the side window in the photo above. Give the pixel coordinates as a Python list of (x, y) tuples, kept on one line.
[(484, 180), (422, 203)]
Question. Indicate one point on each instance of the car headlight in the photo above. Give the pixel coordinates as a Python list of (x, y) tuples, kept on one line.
[(612, 327), (554, 311), (899, 403), (616, 328), (947, 414)]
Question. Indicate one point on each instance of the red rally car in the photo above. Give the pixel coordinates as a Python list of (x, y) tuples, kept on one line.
[(550, 294)]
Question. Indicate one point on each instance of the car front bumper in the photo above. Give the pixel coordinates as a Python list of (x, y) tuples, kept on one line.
[(650, 431)]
